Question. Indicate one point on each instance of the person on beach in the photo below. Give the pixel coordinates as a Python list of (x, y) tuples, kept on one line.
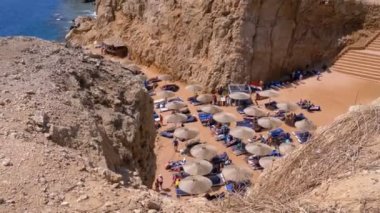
[(223, 100), (161, 120), (176, 182), (160, 182), (318, 75), (228, 101), (175, 144), (214, 99), (218, 100), (156, 185)]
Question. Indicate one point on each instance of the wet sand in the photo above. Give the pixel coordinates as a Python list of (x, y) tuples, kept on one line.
[(334, 92)]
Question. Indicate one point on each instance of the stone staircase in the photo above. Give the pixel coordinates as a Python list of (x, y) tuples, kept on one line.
[(361, 62)]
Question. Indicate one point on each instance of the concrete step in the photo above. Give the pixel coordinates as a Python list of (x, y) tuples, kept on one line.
[(360, 60), (357, 63), (374, 45), (358, 69), (367, 54), (374, 48), (363, 58), (360, 75), (376, 41)]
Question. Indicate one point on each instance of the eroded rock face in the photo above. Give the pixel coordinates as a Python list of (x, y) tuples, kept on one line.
[(214, 42), (77, 101)]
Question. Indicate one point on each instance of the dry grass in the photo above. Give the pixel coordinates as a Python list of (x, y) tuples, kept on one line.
[(348, 145)]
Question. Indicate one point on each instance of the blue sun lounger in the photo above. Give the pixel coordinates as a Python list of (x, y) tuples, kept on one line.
[(246, 123), (302, 137), (204, 117), (217, 180), (181, 193)]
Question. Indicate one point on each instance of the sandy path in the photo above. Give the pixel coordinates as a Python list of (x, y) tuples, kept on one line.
[(334, 92)]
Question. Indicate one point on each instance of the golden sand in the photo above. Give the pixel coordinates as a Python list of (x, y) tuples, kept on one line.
[(334, 92)]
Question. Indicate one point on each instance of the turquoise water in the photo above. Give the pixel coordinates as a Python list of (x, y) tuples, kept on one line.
[(46, 19)]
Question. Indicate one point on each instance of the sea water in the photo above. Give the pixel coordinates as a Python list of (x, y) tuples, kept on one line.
[(46, 19)]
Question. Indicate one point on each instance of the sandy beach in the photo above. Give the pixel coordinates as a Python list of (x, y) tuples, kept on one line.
[(334, 92)]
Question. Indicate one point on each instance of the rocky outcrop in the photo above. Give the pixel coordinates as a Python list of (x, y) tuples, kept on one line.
[(214, 42), (78, 101)]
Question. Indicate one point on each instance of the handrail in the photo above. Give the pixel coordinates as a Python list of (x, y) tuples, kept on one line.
[(361, 47)]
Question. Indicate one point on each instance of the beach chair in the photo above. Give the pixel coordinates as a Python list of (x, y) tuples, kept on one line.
[(231, 143), (194, 101), (271, 105), (216, 179), (246, 123), (240, 187), (180, 175), (179, 193), (170, 87), (239, 149), (299, 117), (253, 162), (166, 134), (314, 108), (191, 119), (230, 187), (175, 166), (204, 117), (276, 132), (302, 137), (222, 158)]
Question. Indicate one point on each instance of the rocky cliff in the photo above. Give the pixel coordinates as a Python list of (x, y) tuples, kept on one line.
[(77, 101), (214, 42)]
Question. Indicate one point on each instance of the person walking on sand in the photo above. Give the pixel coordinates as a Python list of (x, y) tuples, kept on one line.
[(161, 120), (160, 182), (175, 144), (318, 75)]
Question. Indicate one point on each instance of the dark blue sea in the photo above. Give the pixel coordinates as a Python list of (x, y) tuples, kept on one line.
[(46, 19)]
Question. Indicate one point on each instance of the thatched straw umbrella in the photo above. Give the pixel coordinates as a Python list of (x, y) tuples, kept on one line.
[(255, 111), (236, 174), (224, 117), (195, 184), (267, 162), (176, 118), (197, 167), (194, 88), (185, 133), (259, 149), (203, 151), (175, 105), (242, 132), (205, 98), (165, 94), (286, 148), (287, 106), (212, 109), (305, 125), (269, 122)]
